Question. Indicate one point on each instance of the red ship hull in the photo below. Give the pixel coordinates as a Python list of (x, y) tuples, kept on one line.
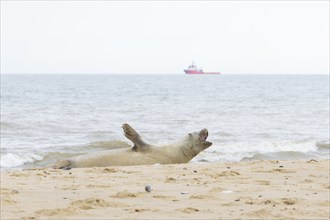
[(199, 72)]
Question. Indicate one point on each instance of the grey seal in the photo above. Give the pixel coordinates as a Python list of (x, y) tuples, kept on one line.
[(142, 153)]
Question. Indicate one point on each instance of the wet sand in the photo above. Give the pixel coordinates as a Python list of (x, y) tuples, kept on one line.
[(244, 190)]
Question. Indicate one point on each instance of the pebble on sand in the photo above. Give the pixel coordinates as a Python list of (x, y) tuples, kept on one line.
[(147, 188)]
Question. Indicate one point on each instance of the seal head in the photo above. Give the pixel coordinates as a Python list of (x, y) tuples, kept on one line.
[(203, 134), (197, 143)]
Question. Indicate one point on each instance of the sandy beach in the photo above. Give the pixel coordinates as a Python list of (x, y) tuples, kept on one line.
[(244, 190)]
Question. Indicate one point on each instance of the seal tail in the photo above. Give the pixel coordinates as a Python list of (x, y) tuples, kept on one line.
[(64, 165)]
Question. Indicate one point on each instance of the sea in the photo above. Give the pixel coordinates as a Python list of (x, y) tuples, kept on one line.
[(49, 117)]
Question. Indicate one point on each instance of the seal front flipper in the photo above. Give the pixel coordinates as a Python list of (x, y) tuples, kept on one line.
[(132, 135)]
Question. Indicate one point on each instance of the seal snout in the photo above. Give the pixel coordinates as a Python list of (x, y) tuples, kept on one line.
[(203, 134)]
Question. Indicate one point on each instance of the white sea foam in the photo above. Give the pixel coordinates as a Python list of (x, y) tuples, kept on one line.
[(267, 147), (18, 159), (263, 150)]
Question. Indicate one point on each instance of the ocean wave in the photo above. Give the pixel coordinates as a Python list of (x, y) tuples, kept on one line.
[(88, 147), (266, 147), (239, 151), (18, 159), (323, 145), (224, 134), (7, 125), (284, 155), (107, 145)]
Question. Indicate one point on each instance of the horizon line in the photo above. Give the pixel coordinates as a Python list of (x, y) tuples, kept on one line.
[(71, 73)]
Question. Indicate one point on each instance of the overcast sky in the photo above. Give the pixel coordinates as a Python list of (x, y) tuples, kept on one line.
[(233, 37)]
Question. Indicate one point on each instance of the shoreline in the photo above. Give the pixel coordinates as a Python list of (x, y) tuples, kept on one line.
[(264, 189)]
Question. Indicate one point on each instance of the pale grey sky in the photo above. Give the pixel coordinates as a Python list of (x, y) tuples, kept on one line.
[(233, 37)]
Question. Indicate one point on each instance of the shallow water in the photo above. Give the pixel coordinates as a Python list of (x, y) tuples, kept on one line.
[(47, 117)]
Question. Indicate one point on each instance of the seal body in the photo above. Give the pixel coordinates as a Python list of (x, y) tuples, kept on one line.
[(142, 153)]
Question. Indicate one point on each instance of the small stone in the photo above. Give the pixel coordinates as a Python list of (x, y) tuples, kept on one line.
[(147, 188), (14, 191), (195, 171)]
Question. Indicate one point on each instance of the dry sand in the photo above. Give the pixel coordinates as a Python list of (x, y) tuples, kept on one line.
[(245, 190)]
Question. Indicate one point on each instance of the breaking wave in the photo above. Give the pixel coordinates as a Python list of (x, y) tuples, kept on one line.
[(287, 155), (107, 145), (19, 159), (323, 145), (300, 149)]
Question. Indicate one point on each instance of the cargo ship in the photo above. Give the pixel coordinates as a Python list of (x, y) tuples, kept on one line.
[(192, 69)]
